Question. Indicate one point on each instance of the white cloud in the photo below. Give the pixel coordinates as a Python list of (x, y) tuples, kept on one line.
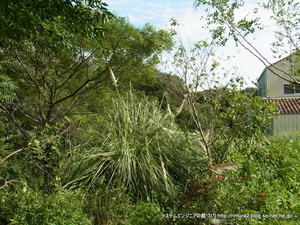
[(191, 28), (133, 19), (137, 10), (157, 5), (248, 65)]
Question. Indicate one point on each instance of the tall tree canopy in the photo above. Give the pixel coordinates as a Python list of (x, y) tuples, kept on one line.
[(56, 59), (55, 20)]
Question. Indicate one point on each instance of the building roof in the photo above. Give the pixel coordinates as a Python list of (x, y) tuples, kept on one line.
[(287, 105), (273, 64)]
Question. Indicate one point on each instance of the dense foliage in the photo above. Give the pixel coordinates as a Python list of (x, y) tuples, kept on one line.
[(140, 149), (92, 133)]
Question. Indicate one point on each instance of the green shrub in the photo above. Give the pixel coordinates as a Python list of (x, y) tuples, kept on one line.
[(141, 149), (266, 183), (107, 206), (28, 207), (115, 207), (145, 213)]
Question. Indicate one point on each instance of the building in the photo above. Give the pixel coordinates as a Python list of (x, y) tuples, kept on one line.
[(278, 89)]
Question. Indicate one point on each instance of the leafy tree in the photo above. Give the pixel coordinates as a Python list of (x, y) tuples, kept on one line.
[(221, 15), (41, 51), (57, 21), (56, 81), (133, 53), (223, 116), (59, 80)]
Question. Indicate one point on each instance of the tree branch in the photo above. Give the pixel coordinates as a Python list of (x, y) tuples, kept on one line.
[(7, 182), (17, 151), (12, 118), (35, 84), (76, 69), (77, 91)]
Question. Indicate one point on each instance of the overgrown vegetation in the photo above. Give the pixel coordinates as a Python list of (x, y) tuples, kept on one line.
[(140, 149), (92, 133)]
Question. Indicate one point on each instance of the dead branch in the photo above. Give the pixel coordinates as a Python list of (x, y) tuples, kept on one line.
[(17, 151), (7, 182)]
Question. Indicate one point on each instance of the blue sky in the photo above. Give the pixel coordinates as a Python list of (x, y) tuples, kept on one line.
[(155, 12), (159, 13)]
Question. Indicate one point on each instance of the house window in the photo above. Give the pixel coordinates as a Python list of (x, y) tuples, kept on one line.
[(291, 89), (297, 88), (288, 89)]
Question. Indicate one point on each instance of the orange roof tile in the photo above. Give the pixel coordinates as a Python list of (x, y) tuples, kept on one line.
[(287, 105)]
